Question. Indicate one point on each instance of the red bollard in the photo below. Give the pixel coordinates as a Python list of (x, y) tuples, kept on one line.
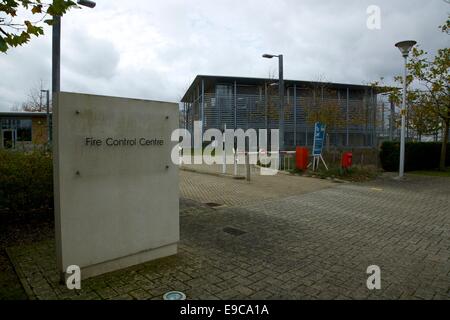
[(301, 158), (347, 160)]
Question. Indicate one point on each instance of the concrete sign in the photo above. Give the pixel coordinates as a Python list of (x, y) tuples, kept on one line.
[(116, 188)]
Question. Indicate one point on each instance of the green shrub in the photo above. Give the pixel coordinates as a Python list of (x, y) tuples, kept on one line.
[(26, 180), (418, 155)]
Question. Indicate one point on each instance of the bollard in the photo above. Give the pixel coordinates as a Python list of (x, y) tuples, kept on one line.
[(235, 162), (247, 165), (247, 159), (224, 159), (224, 156)]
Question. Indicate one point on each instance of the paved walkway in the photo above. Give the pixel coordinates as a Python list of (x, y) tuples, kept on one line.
[(282, 243), (206, 188)]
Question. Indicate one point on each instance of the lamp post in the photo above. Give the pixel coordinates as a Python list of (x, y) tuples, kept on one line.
[(281, 94), (404, 47), (49, 126), (56, 48)]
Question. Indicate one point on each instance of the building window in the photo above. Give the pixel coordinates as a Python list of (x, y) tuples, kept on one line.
[(9, 123), (24, 130)]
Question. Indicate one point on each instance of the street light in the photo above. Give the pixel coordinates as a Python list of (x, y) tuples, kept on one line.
[(49, 127), (86, 3), (404, 47), (281, 94), (56, 48)]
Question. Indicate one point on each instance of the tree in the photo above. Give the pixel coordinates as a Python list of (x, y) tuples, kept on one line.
[(420, 116), (36, 101), (272, 99), (322, 105), (433, 94), (16, 31)]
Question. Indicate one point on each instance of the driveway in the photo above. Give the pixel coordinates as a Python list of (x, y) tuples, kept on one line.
[(283, 238)]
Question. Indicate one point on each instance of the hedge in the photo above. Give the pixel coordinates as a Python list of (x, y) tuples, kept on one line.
[(418, 155), (26, 180)]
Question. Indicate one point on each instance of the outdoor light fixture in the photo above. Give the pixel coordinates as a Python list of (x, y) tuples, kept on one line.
[(174, 295), (404, 47), (281, 94), (86, 3), (49, 128)]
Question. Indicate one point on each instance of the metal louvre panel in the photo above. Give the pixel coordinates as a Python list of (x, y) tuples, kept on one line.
[(251, 112), (245, 111)]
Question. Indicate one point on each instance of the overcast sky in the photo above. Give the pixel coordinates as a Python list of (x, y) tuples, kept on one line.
[(154, 49)]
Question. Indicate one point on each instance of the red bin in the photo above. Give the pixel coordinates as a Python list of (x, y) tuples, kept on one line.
[(347, 158), (301, 158)]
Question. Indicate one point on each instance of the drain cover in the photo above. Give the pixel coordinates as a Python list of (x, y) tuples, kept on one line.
[(233, 231), (213, 204), (174, 295)]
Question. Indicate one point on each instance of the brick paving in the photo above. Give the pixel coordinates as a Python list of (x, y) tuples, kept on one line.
[(19, 229), (315, 244), (207, 188)]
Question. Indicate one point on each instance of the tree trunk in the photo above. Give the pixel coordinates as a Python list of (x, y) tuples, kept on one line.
[(444, 145)]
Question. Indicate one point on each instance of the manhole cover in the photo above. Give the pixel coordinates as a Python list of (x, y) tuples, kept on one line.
[(213, 204), (233, 231)]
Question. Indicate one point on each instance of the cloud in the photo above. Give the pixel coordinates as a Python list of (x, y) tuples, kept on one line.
[(153, 51), (90, 57)]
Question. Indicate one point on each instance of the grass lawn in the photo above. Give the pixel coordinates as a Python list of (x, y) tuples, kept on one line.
[(434, 173)]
